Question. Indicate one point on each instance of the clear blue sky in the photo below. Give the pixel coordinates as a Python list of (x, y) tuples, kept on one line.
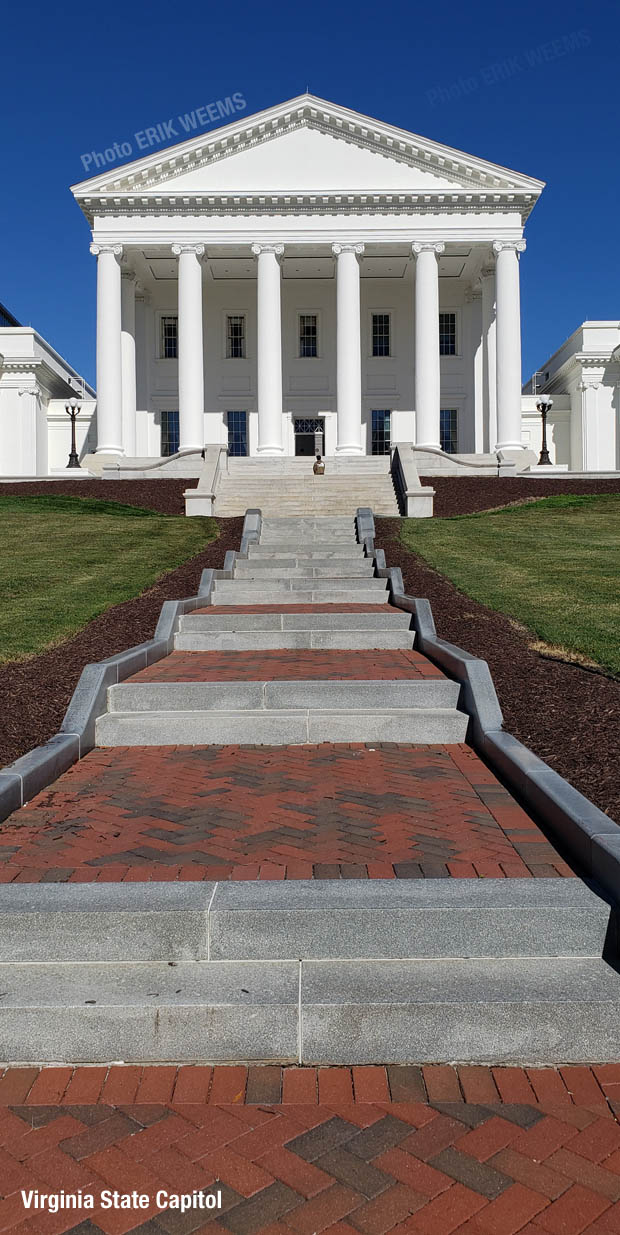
[(74, 79)]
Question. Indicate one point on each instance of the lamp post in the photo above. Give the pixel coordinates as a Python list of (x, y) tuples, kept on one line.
[(72, 409), (544, 405)]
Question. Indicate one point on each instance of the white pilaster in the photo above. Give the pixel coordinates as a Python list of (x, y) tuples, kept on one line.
[(190, 346), (109, 381), (508, 339), (348, 348), (128, 359), (427, 373), (487, 280), (269, 343)]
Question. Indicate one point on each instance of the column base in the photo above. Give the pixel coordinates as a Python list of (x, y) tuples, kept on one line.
[(190, 447), (428, 445), (351, 448), (109, 450), (510, 446), (270, 450)]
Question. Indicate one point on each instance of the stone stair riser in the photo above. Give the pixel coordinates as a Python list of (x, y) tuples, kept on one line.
[(248, 641), (395, 619), (278, 695), (280, 728)]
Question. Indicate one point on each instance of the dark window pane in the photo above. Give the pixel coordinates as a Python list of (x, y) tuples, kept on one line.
[(308, 337), (168, 349), (448, 430), (237, 433), (169, 433), (380, 434), (235, 337), (447, 334), (381, 334)]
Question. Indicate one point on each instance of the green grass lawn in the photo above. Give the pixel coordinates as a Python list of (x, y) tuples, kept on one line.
[(64, 560), (553, 565)]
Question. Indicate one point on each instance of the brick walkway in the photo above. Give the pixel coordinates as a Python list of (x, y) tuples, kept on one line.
[(299, 812), (294, 664), (361, 1151)]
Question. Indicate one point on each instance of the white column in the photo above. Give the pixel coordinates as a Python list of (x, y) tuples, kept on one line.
[(348, 349), (191, 364), (269, 342), (508, 342), (487, 279), (128, 359), (109, 384), (475, 355), (427, 373)]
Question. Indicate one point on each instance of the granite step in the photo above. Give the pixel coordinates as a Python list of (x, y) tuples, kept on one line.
[(293, 727)]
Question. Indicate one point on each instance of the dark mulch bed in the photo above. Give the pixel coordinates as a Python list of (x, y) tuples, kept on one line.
[(463, 495), (568, 715), (166, 496), (34, 693)]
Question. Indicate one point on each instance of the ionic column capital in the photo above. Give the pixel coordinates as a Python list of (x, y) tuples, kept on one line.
[(197, 249), (358, 249), (517, 246), (430, 246), (116, 249), (257, 249)]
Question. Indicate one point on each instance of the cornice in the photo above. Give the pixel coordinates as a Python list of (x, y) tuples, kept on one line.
[(323, 116), (21, 364), (287, 204)]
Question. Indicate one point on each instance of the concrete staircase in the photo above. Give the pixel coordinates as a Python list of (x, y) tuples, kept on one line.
[(310, 971), (304, 971), (289, 487), (289, 713)]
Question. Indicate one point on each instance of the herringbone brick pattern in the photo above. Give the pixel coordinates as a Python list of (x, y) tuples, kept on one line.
[(300, 1150), (292, 664), (327, 811)]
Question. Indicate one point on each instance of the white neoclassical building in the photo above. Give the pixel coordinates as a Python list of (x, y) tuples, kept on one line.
[(308, 276)]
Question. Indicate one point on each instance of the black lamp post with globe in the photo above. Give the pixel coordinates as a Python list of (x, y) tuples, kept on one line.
[(544, 405), (72, 409)]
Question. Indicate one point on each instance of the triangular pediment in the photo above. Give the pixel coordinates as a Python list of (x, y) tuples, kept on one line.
[(305, 160), (303, 146)]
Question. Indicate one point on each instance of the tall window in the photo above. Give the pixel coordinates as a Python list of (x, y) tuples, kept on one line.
[(381, 334), (380, 436), (448, 430), (169, 433), (237, 433), (235, 336), (447, 334), (169, 338), (308, 334)]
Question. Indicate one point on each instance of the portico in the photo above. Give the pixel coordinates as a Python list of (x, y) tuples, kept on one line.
[(308, 263)]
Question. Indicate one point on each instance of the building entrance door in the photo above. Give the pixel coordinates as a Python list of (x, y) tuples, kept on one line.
[(309, 435)]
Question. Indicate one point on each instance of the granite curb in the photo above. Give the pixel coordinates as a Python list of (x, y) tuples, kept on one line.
[(27, 776), (588, 835)]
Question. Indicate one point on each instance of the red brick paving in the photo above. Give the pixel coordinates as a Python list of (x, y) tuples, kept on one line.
[(230, 812), (293, 664), (381, 1152)]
